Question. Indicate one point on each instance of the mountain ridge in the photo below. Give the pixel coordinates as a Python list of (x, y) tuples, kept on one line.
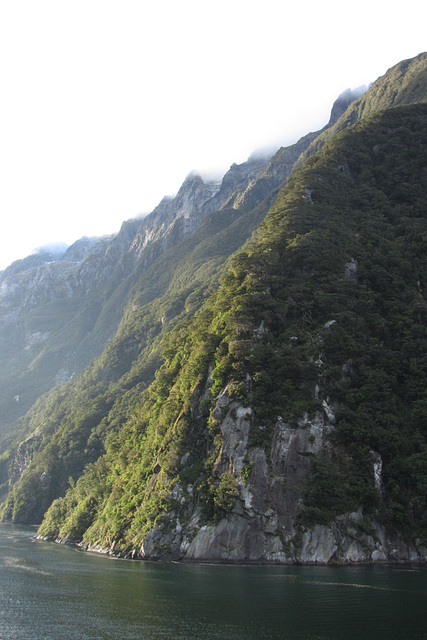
[(243, 378), (98, 268)]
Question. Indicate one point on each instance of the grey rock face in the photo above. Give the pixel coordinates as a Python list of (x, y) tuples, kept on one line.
[(262, 526), (270, 498), (238, 179), (85, 277)]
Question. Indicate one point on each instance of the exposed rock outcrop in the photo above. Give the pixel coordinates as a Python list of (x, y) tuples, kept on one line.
[(263, 524), (89, 282), (318, 319)]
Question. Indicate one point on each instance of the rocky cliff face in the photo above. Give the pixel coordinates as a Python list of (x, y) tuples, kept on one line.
[(59, 309), (314, 335), (51, 305), (262, 525)]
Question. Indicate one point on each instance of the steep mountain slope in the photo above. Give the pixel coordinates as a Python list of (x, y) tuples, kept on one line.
[(288, 419), (405, 83), (67, 426), (296, 369), (58, 312)]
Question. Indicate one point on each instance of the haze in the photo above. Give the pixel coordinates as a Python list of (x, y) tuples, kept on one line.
[(107, 106)]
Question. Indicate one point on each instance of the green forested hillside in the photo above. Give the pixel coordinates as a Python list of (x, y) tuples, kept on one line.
[(324, 311), (271, 391), (405, 83), (69, 425)]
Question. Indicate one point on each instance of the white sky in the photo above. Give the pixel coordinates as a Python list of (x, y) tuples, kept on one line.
[(106, 106)]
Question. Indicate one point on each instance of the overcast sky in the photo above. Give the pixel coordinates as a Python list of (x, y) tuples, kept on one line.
[(106, 106)]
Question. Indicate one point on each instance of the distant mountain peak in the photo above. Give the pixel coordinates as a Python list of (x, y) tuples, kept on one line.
[(56, 249), (343, 101), (252, 350)]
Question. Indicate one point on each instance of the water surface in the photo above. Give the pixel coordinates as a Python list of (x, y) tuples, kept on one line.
[(50, 591)]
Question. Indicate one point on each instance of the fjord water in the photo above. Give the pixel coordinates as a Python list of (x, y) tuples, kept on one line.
[(50, 591)]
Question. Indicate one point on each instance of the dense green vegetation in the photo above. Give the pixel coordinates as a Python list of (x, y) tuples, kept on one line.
[(321, 313), (405, 83), (72, 421), (329, 293)]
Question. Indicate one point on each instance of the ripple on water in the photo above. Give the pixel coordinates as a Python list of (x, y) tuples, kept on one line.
[(51, 592)]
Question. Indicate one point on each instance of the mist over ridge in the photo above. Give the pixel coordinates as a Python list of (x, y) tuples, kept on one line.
[(238, 375)]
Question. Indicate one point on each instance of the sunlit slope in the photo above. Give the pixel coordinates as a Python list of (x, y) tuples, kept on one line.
[(405, 83), (66, 428), (318, 325)]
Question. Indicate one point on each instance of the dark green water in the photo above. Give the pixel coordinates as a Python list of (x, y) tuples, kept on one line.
[(49, 591)]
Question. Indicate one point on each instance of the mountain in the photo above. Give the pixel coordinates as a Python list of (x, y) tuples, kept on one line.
[(405, 83), (57, 313), (61, 306), (253, 382)]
